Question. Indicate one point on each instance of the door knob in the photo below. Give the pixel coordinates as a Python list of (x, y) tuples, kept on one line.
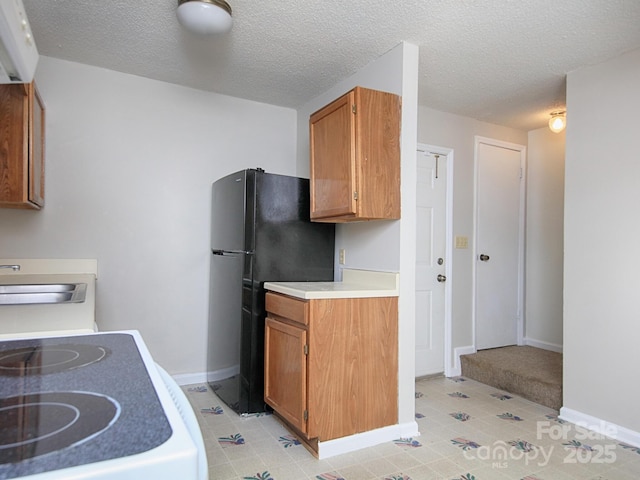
[(441, 278), (484, 258)]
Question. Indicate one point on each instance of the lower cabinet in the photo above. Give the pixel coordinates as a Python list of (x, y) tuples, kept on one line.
[(286, 372), (331, 365)]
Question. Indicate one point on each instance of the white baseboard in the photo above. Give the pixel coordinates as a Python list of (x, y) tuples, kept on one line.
[(331, 448), (192, 378), (621, 434), (554, 347), (456, 371)]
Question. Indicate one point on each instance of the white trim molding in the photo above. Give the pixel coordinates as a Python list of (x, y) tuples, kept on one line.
[(532, 342), (190, 378), (456, 370), (602, 427), (331, 448), (201, 377)]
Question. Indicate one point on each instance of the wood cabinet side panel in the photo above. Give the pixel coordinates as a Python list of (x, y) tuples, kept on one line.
[(285, 382), (332, 155), (333, 370), (378, 140), (36, 147), (376, 321), (14, 147)]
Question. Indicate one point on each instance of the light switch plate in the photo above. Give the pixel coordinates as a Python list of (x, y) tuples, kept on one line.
[(462, 242)]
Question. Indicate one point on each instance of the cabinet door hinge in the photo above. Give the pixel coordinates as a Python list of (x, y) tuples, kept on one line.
[(353, 108), (355, 195), (305, 415), (306, 349)]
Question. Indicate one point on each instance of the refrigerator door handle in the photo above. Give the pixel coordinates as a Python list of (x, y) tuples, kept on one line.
[(232, 252)]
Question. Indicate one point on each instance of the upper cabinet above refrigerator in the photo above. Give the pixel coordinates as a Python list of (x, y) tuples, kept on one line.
[(355, 158)]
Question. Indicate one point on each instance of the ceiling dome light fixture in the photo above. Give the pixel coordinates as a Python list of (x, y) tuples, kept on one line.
[(205, 16), (558, 121)]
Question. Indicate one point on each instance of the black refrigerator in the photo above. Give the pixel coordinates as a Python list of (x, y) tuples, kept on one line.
[(260, 232)]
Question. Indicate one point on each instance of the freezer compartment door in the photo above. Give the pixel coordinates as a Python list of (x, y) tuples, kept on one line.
[(228, 204)]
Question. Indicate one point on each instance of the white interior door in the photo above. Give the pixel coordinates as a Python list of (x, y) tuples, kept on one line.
[(499, 243), (430, 262)]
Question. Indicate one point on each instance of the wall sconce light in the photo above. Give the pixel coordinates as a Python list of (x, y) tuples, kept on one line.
[(558, 121), (205, 16)]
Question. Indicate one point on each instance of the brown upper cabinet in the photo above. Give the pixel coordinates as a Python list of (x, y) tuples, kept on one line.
[(355, 158), (21, 146)]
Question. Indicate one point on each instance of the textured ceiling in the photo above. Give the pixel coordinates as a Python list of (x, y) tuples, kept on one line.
[(501, 61)]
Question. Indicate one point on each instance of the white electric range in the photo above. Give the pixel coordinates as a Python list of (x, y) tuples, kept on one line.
[(93, 406)]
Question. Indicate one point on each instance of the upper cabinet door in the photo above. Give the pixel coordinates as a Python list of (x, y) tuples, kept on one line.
[(355, 158), (333, 163), (22, 146)]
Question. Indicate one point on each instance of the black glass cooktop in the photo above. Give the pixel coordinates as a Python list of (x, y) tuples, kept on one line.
[(75, 400)]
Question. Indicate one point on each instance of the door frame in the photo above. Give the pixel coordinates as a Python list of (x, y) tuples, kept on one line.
[(448, 253), (521, 231)]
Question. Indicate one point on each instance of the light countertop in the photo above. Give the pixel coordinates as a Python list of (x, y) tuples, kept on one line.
[(22, 321), (354, 284), (44, 266)]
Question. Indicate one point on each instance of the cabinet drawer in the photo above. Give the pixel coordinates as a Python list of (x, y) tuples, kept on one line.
[(287, 307)]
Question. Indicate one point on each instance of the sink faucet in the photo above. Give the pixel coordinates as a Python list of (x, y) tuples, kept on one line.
[(15, 268)]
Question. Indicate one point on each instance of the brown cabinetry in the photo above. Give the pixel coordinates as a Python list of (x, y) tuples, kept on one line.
[(331, 364), (355, 158), (21, 146)]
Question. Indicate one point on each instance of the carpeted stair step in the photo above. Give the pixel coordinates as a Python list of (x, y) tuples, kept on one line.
[(530, 372)]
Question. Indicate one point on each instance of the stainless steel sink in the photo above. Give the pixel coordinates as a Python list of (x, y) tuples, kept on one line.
[(29, 294), (44, 288)]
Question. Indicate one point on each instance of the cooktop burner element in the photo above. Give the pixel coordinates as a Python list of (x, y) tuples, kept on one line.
[(45, 359), (45, 422), (77, 401)]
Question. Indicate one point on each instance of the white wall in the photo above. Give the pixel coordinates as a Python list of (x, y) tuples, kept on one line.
[(453, 131), (602, 225), (129, 165), (384, 245), (544, 239)]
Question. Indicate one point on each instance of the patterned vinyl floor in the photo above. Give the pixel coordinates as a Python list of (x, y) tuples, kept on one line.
[(469, 431)]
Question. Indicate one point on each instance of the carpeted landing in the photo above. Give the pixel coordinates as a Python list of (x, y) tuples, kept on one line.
[(530, 372)]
